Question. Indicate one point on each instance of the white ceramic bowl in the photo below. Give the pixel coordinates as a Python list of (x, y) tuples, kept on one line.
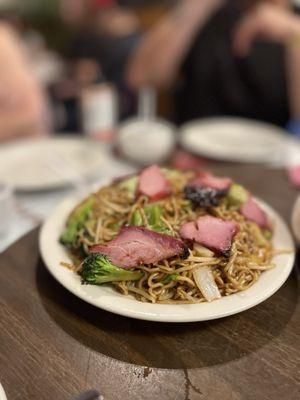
[(146, 141)]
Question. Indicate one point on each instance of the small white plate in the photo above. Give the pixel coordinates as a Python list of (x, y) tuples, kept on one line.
[(25, 164), (233, 139), (108, 299), (2, 393)]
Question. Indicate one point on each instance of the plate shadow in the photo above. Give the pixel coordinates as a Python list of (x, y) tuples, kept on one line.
[(165, 345)]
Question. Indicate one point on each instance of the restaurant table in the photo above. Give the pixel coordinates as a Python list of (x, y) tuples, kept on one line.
[(54, 346)]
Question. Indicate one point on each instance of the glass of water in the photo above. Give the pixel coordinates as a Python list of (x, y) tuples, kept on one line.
[(6, 208)]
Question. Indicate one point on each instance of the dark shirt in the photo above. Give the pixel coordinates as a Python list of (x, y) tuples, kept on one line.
[(110, 52), (215, 82)]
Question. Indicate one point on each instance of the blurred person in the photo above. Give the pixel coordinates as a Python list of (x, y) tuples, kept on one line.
[(103, 31), (114, 20), (22, 107), (106, 16), (277, 25), (74, 13), (103, 36), (234, 57), (66, 94)]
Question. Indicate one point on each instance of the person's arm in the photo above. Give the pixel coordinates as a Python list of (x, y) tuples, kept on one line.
[(293, 69), (21, 101), (158, 57), (280, 25)]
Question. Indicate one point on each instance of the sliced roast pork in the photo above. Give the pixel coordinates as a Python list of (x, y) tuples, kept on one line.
[(213, 233), (136, 245), (206, 179), (206, 190), (153, 183), (253, 212)]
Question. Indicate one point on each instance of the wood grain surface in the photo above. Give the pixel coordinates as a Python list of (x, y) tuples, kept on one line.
[(53, 345)]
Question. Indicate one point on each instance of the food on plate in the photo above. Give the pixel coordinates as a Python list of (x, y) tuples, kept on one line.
[(153, 183), (253, 212), (97, 269), (211, 232), (207, 190), (76, 222), (136, 245), (170, 236)]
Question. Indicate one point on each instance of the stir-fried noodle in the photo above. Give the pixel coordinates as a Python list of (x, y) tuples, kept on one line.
[(114, 206)]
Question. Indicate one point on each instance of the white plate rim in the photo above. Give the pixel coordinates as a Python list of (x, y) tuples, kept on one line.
[(2, 393), (107, 299), (233, 156), (60, 182)]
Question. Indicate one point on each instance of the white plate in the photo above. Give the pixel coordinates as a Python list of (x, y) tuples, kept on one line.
[(233, 139), (2, 393), (25, 164), (108, 299)]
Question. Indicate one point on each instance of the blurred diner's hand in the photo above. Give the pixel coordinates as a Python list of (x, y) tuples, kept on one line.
[(117, 21), (267, 21), (22, 106), (157, 58), (278, 24), (208, 5)]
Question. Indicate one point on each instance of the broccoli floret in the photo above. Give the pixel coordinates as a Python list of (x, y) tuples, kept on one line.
[(267, 234), (75, 222), (170, 278), (130, 185), (161, 229), (153, 213), (115, 226), (136, 219), (171, 173), (237, 195), (97, 269)]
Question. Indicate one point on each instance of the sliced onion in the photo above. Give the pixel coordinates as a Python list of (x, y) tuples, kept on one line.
[(205, 281), (203, 251)]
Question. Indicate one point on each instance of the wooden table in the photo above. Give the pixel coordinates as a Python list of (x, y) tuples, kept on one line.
[(53, 345)]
